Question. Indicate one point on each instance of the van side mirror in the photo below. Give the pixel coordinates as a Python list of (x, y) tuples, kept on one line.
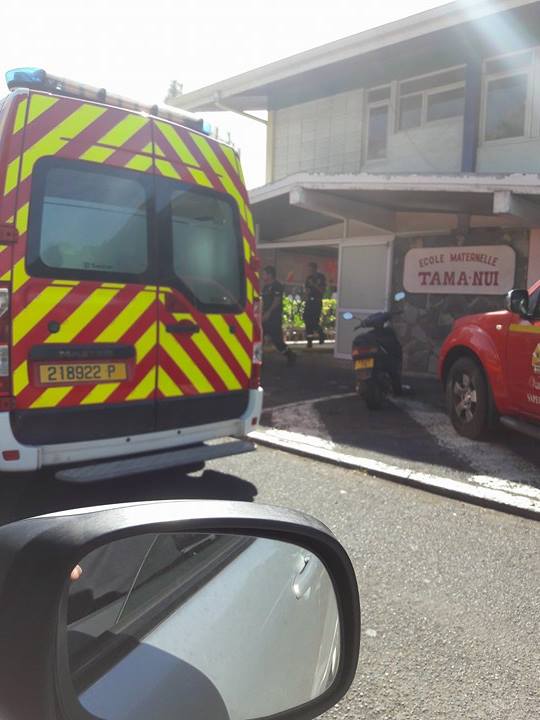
[(517, 302)]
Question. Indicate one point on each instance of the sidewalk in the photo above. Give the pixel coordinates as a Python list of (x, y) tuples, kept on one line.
[(316, 399)]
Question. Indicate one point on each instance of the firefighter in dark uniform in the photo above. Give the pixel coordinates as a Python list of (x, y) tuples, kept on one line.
[(272, 296), (315, 288)]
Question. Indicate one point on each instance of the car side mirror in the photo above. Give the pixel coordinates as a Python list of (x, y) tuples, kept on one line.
[(208, 610), (517, 302)]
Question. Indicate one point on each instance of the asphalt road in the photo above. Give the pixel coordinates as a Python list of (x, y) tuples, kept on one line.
[(450, 592)]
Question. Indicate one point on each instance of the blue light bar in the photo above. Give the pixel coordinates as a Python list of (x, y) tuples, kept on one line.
[(25, 77), (38, 79), (207, 128)]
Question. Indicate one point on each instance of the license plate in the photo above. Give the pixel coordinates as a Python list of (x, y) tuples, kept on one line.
[(363, 364), (75, 373)]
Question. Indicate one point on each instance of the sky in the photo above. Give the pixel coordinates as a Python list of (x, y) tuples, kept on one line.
[(137, 48)]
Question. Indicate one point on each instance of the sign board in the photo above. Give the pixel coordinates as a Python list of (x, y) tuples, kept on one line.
[(471, 270)]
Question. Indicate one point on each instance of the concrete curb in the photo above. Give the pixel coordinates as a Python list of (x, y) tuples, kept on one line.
[(522, 500)]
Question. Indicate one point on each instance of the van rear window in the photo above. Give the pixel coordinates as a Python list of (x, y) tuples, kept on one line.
[(87, 221), (97, 222), (200, 231)]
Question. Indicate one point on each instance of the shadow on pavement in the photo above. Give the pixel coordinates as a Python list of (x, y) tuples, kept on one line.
[(303, 399), (316, 374), (28, 496), (346, 421)]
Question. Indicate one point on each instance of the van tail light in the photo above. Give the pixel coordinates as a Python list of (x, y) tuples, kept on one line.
[(257, 317), (4, 341), (255, 380)]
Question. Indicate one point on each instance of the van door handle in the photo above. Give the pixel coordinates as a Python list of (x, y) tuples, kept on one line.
[(184, 327)]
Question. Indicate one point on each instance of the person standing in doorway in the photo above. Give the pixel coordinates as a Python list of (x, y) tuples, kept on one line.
[(315, 288), (272, 296)]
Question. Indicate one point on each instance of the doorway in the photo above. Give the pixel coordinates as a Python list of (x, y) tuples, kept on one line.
[(364, 276)]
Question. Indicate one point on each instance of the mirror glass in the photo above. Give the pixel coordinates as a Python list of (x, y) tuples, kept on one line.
[(347, 315), (399, 296), (200, 626)]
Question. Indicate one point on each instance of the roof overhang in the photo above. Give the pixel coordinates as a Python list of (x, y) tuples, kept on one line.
[(322, 68), (391, 203)]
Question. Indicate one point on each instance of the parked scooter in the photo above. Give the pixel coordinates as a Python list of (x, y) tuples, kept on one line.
[(377, 357)]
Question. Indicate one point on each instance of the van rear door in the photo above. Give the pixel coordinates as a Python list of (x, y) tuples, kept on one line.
[(84, 310), (205, 292)]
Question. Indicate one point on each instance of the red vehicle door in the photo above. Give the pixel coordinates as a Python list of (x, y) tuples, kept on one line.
[(523, 360), (84, 342)]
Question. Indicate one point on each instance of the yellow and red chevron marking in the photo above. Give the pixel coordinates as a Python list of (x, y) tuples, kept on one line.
[(189, 156), (6, 253), (87, 313), (14, 112), (65, 127), (193, 157), (216, 359), (13, 115)]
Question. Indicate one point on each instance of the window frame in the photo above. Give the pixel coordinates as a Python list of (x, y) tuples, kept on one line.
[(435, 90), (164, 246), (35, 267), (399, 129), (487, 78), (374, 105), (440, 91), (534, 301)]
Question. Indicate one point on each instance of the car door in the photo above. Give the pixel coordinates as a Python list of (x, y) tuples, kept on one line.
[(205, 299), (524, 360), (84, 306)]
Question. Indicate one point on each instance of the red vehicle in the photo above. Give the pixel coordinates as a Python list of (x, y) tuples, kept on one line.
[(490, 368)]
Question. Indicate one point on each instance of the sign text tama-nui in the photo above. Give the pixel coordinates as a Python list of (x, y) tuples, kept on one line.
[(480, 270)]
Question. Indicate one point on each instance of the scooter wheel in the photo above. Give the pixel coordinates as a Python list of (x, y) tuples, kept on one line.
[(373, 396)]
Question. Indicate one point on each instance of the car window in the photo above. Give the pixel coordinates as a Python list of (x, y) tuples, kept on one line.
[(87, 220), (202, 231), (127, 588), (534, 303)]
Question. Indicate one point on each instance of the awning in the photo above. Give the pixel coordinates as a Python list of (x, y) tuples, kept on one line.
[(392, 203)]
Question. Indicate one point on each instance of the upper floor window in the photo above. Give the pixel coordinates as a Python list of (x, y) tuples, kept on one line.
[(425, 99), (507, 96), (377, 122)]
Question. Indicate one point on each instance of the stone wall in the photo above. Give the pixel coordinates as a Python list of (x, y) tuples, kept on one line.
[(428, 318)]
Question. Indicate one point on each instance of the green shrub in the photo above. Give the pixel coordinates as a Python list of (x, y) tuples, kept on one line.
[(328, 315), (293, 311)]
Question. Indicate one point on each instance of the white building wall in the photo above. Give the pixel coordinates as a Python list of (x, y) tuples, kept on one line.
[(323, 135), (510, 156), (327, 136), (435, 147)]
